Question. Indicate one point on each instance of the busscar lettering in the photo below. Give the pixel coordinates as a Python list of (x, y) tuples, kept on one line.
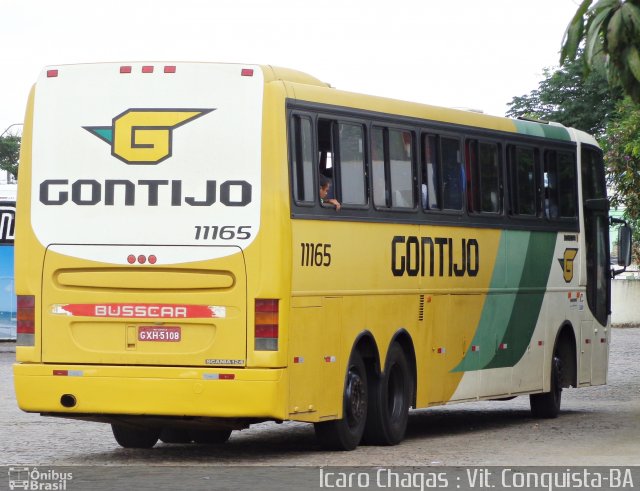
[(434, 256), (90, 192)]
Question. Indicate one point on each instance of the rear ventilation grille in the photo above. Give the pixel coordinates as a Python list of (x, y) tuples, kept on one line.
[(421, 308)]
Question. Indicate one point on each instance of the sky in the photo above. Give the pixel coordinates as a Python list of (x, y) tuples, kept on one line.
[(456, 53)]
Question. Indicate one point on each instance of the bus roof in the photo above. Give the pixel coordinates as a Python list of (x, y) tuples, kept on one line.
[(308, 88)]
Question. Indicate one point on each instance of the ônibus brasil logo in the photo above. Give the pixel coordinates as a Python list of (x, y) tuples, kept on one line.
[(144, 136)]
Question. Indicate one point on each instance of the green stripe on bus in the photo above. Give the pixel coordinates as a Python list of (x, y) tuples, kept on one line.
[(508, 319), (498, 306), (542, 130)]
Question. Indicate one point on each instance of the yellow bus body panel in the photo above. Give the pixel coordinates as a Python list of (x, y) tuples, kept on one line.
[(170, 391)]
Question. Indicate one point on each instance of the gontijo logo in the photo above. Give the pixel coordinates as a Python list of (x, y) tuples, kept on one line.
[(144, 136)]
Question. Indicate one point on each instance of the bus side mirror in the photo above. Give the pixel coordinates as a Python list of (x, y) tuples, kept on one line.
[(624, 245)]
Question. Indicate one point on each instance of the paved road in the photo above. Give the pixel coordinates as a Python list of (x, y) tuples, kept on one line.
[(598, 426)]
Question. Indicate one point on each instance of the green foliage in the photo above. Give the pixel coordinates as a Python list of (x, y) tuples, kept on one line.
[(610, 32), (569, 97), (10, 153), (622, 157)]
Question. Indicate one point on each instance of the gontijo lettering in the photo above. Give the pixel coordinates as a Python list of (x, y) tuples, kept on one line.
[(90, 192), (434, 256)]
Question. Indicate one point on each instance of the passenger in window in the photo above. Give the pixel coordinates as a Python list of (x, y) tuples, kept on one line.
[(325, 185)]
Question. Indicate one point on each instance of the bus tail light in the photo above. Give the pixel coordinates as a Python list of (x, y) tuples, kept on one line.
[(266, 328), (26, 326)]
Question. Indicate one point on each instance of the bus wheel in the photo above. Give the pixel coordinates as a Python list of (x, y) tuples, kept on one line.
[(175, 435), (210, 437), (547, 405), (131, 437), (346, 433), (389, 401)]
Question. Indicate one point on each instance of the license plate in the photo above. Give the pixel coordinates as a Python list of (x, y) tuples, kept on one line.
[(167, 334)]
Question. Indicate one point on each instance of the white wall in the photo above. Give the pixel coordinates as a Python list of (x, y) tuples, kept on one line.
[(625, 302)]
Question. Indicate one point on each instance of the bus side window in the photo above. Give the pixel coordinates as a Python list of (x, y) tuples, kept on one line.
[(326, 154), (567, 179), (560, 196), (379, 181), (401, 168), (303, 188), (524, 183), (351, 165), (551, 184), (452, 176), (489, 183), (392, 168), (430, 187)]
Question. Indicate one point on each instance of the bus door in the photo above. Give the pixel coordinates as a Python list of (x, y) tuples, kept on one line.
[(598, 287)]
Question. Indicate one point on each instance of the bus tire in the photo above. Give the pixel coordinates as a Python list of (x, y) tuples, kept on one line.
[(547, 404), (210, 437), (389, 400), (135, 437), (346, 433)]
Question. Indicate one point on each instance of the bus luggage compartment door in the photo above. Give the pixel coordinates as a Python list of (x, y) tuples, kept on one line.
[(162, 314)]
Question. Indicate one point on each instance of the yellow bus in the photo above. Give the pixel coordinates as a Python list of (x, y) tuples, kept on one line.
[(201, 247)]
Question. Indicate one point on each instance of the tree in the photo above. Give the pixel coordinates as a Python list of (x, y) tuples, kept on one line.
[(622, 157), (10, 153), (610, 31), (569, 97)]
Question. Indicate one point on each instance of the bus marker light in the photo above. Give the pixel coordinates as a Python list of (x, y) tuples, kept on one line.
[(587, 341), (152, 259), (475, 348), (247, 72), (503, 346), (330, 359), (170, 69), (131, 259), (52, 73), (147, 69), (68, 373), (142, 259), (540, 343), (441, 351), (603, 340), (298, 359), (218, 376), (125, 69)]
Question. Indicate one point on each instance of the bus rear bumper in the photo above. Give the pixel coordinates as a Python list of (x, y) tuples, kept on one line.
[(69, 390)]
